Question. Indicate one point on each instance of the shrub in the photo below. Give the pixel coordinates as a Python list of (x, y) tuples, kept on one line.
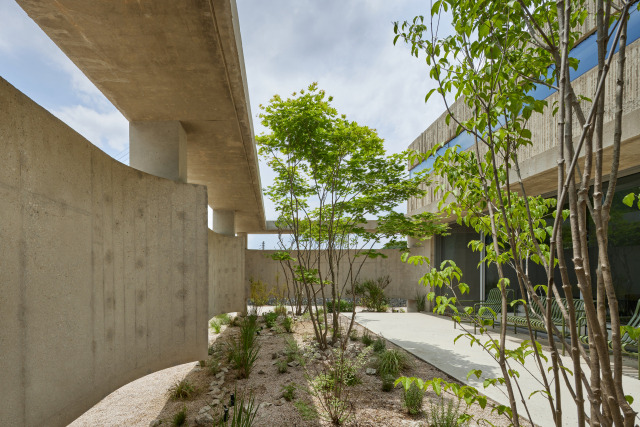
[(211, 349), (441, 415), (387, 382), (341, 306), (412, 399), (282, 366), (354, 336), (289, 392), (215, 325), (391, 362), (371, 293), (280, 310), (270, 319), (243, 413), (259, 293), (292, 350), (421, 302), (181, 390), (367, 339), (243, 351), (379, 345), (180, 417), (224, 318), (287, 323), (213, 365), (307, 412)]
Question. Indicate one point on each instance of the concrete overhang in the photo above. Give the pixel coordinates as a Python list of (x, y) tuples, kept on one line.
[(171, 60)]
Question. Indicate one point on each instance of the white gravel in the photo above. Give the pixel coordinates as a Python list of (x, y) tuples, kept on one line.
[(137, 403)]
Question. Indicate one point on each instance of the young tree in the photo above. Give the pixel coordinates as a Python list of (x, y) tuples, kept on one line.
[(332, 176), (499, 53)]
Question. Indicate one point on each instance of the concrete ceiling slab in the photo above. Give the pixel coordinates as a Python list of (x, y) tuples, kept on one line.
[(171, 60)]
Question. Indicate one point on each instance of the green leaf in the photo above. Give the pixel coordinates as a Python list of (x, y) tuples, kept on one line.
[(629, 399), (628, 199)]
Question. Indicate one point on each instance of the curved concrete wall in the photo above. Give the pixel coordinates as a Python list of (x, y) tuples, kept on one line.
[(227, 291), (103, 269)]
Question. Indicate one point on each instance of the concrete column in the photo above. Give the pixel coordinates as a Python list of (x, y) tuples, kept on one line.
[(159, 148), (224, 222)]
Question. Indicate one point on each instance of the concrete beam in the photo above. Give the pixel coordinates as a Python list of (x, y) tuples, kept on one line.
[(171, 60), (224, 222), (159, 148)]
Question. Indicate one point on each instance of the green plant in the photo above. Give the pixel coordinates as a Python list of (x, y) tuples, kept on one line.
[(392, 362), (342, 306), (367, 339), (213, 365), (292, 350), (379, 345), (211, 349), (307, 412), (282, 366), (387, 382), (445, 415), (180, 417), (243, 351), (270, 319), (224, 318), (243, 413), (354, 336), (343, 180), (289, 392), (215, 325), (421, 302), (287, 323), (182, 389), (259, 292), (412, 399), (371, 293), (280, 310)]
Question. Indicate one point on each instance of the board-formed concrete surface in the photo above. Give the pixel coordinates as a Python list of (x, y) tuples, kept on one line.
[(404, 277), (103, 269), (228, 288), (430, 337), (171, 61)]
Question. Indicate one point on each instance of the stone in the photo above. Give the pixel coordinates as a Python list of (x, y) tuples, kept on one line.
[(280, 402), (293, 364), (261, 372), (204, 419), (264, 405), (370, 371), (225, 369), (155, 423), (204, 409), (214, 402)]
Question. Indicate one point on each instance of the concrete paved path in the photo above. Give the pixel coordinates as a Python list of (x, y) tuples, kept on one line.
[(430, 337)]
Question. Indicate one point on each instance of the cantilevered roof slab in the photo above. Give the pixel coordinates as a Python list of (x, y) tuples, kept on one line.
[(171, 60)]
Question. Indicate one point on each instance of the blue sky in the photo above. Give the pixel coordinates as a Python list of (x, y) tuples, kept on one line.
[(346, 46)]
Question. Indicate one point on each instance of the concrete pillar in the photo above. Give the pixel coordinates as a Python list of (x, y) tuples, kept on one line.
[(224, 222), (412, 306), (159, 148)]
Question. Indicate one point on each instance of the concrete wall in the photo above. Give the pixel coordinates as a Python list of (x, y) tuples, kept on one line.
[(103, 269), (404, 277), (227, 289)]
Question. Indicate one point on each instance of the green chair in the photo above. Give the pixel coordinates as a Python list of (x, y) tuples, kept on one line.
[(629, 346), (493, 301)]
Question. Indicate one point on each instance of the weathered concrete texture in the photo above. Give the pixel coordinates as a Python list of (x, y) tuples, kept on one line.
[(103, 269), (227, 288), (404, 277), (171, 60), (159, 148)]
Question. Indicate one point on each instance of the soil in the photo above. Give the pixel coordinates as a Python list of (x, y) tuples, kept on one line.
[(371, 406)]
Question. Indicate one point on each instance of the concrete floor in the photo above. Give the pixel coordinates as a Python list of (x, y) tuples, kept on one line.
[(430, 337)]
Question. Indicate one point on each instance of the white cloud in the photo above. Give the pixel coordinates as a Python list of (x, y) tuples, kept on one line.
[(108, 130)]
